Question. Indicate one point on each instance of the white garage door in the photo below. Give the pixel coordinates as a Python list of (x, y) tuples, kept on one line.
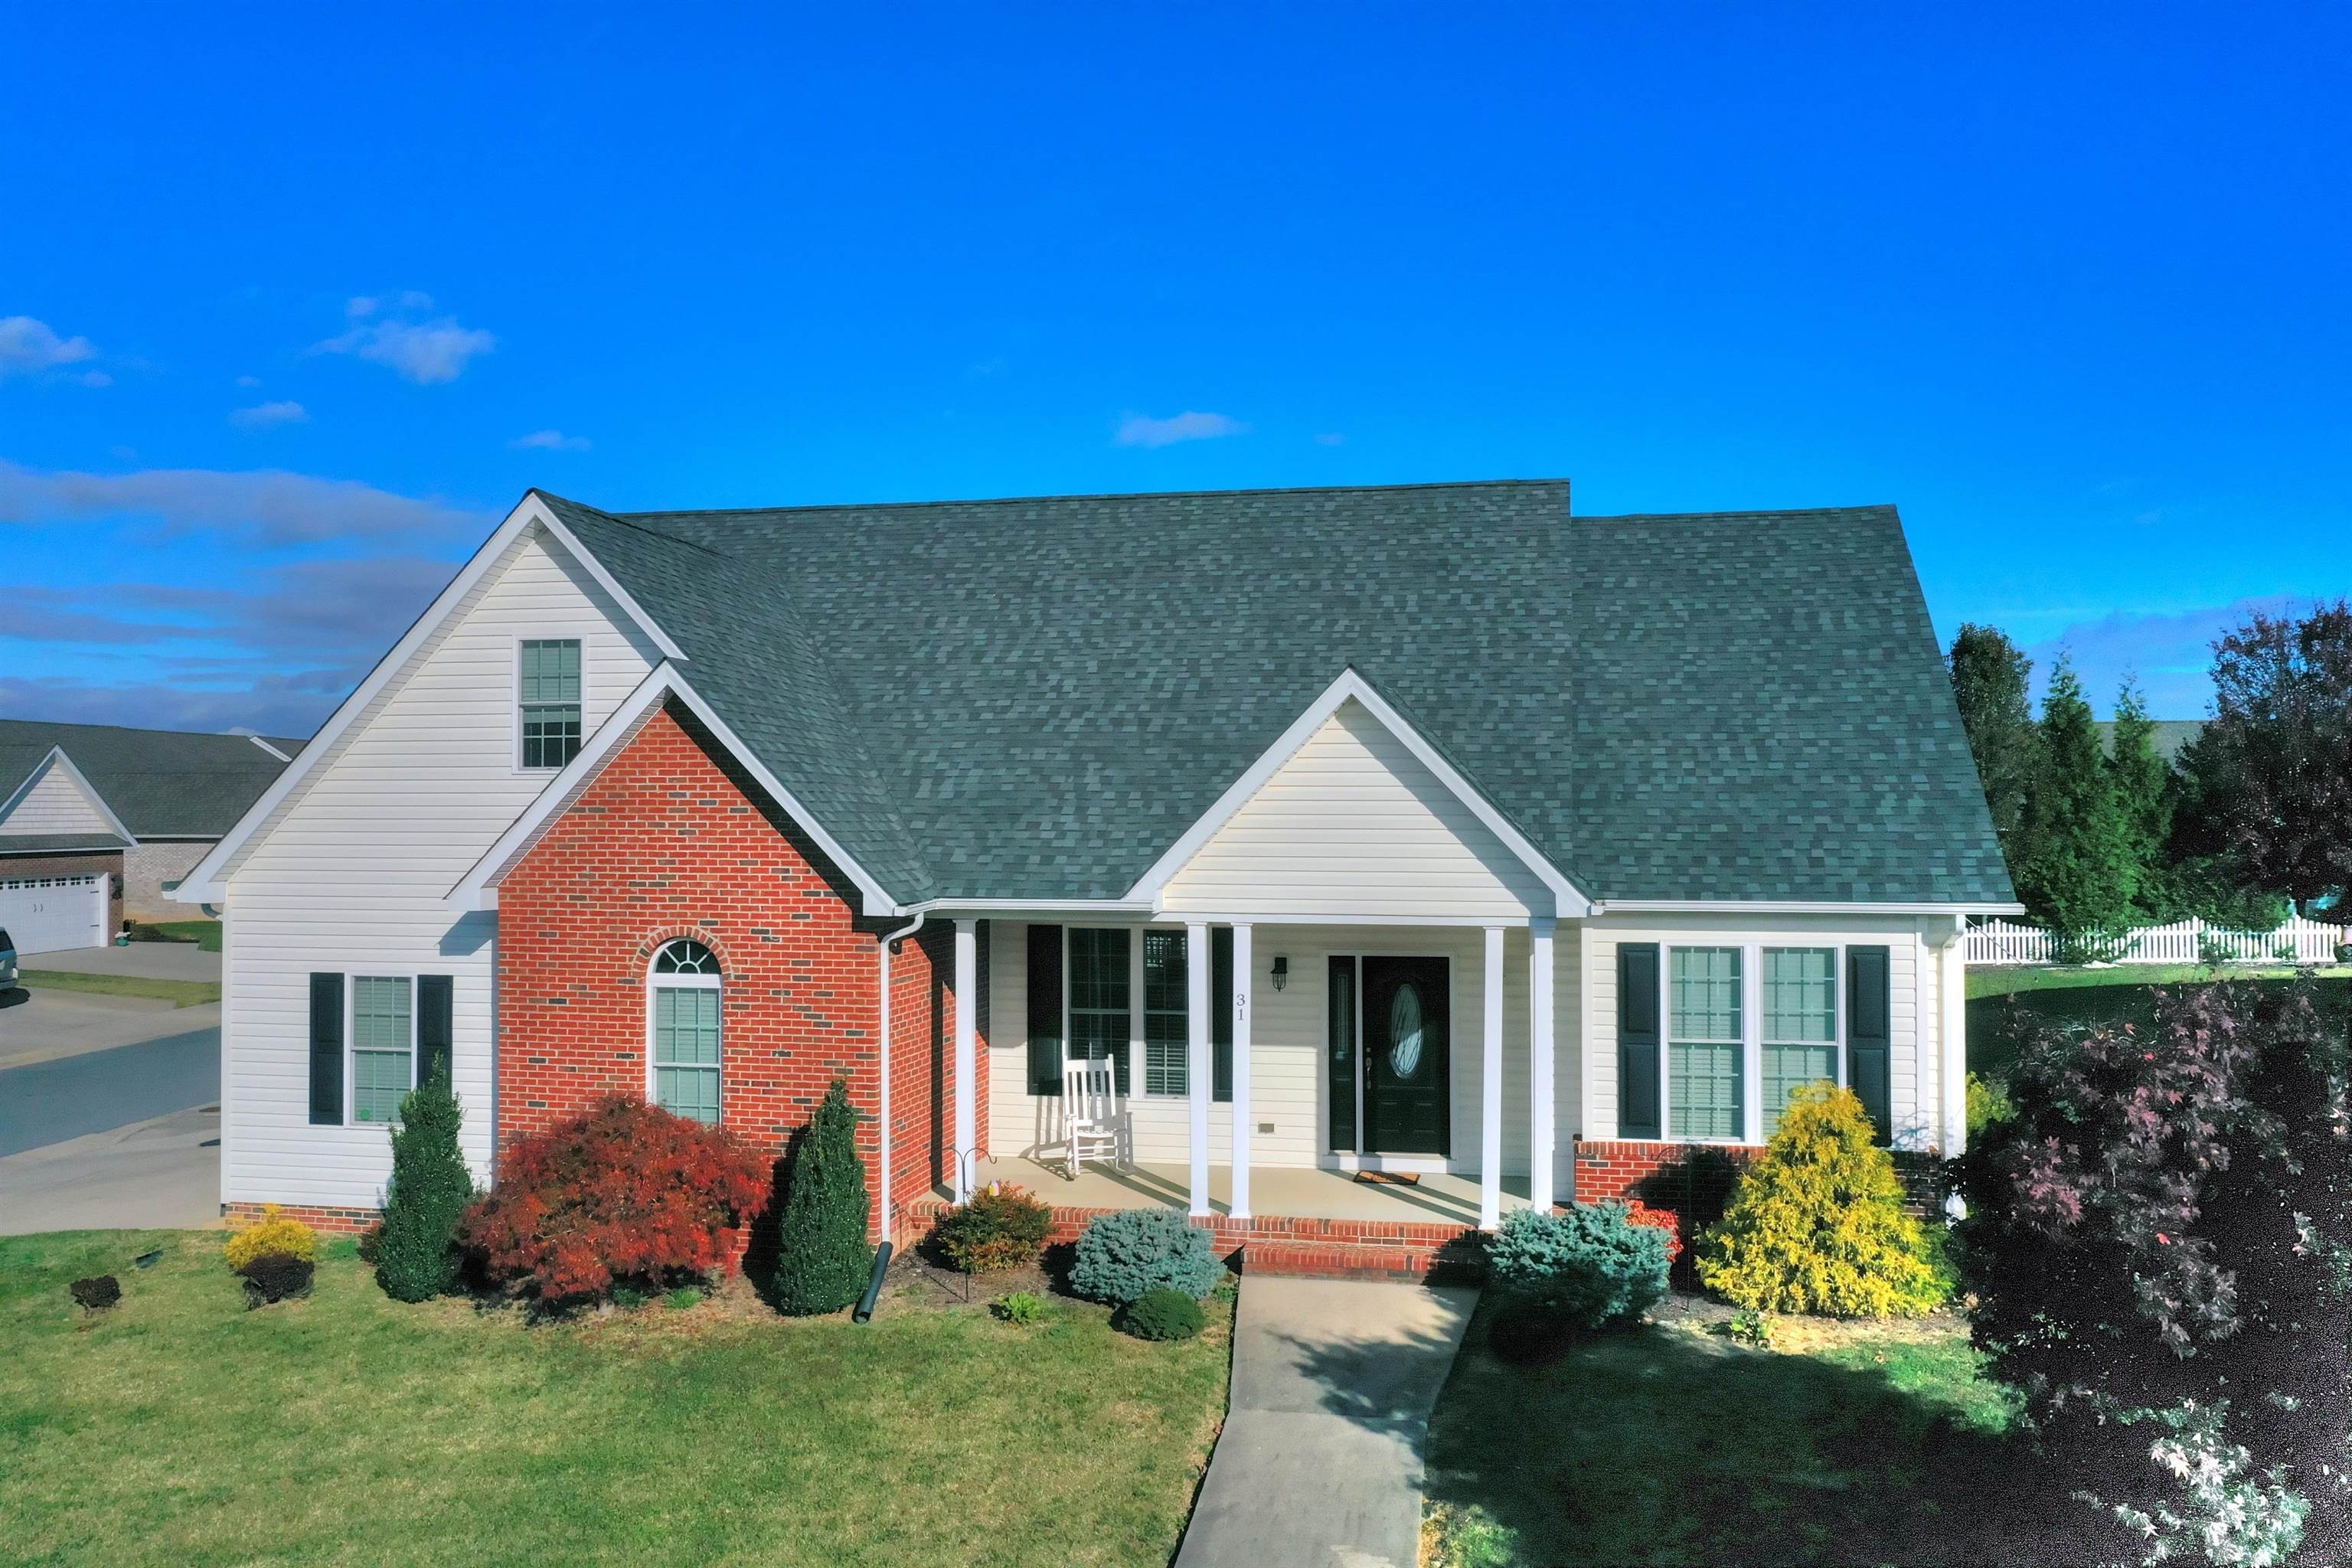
[(49, 914)]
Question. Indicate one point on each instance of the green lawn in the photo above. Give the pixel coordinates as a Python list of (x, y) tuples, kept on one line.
[(2119, 994), (205, 934), (178, 992), (1841, 1444), (348, 1429)]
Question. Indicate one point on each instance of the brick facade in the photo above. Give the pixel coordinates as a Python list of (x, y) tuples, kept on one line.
[(27, 866), (330, 1222), (671, 840)]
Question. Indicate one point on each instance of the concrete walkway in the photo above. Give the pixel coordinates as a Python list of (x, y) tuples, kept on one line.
[(1320, 1462)]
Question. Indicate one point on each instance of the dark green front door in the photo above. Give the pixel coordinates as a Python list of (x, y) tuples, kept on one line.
[(1405, 1057)]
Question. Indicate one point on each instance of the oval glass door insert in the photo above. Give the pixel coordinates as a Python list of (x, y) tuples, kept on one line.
[(1404, 1032)]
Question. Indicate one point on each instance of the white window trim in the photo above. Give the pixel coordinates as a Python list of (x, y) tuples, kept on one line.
[(715, 982), (514, 694), (352, 979), (1750, 1058), (1841, 1069)]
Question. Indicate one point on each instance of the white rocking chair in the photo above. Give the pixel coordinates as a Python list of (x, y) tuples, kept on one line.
[(1089, 1111)]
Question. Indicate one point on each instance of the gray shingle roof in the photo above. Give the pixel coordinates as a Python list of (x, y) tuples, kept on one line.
[(164, 783), (54, 843), (1033, 698)]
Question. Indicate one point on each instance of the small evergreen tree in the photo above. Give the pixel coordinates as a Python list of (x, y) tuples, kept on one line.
[(2142, 787), (1817, 1225), (1988, 681), (417, 1255), (2079, 877), (821, 1254)]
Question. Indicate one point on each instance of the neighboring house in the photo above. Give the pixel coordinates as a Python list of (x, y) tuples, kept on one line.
[(1428, 828), (96, 821)]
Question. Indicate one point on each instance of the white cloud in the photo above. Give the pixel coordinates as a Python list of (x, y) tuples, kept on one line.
[(266, 506), (2170, 654), (424, 351), (550, 441), (283, 412), (1139, 430), (27, 345)]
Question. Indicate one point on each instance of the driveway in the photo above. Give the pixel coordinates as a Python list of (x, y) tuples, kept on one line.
[(1320, 1462), (162, 1175), (42, 1025)]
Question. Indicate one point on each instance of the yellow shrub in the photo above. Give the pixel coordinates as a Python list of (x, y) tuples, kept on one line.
[(273, 1232), (1817, 1225)]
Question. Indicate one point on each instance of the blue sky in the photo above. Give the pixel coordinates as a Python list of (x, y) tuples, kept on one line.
[(293, 307)]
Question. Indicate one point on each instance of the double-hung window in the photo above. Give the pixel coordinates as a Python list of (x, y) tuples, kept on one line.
[(1704, 1066), (1167, 1024), (1100, 998), (1800, 1043), (548, 694), (384, 1046)]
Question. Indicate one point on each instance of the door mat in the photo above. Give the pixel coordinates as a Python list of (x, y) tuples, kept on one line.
[(1389, 1178)]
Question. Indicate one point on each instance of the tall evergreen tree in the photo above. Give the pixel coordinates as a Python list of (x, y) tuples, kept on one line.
[(2143, 787), (822, 1253), (416, 1256), (1988, 681), (2078, 875)]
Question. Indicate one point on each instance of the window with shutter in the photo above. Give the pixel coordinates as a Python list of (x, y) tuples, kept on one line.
[(1167, 1022), (1637, 1041), (1098, 997), (1046, 1009), (384, 1046), (1869, 1036)]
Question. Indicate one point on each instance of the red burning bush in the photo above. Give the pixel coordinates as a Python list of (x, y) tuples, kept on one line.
[(1658, 1219), (627, 1190)]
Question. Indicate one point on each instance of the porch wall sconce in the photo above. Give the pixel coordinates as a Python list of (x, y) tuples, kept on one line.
[(1281, 970)]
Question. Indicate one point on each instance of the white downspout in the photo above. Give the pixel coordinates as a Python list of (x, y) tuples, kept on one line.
[(883, 1144)]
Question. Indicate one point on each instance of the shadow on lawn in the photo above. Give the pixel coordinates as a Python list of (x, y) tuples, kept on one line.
[(1665, 1446)]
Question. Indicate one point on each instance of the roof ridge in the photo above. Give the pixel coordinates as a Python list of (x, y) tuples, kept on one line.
[(1738, 511), (1085, 496), (629, 521)]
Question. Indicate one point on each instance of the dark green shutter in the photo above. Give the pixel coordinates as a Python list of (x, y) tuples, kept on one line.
[(1046, 1010), (1870, 1035), (1220, 1009), (1637, 1040), (326, 1050), (1340, 1053), (434, 1030)]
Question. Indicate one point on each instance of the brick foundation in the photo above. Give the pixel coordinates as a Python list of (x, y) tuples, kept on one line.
[(1288, 1244), (329, 1222)]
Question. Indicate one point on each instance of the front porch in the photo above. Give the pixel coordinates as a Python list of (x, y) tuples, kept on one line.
[(1305, 1220)]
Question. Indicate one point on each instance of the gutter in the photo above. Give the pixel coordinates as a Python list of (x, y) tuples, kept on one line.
[(883, 1144)]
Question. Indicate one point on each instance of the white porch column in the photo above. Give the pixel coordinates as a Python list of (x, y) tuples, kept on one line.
[(1541, 1100), (966, 1065), (1490, 1090), (1240, 1204), (1953, 994), (1199, 1064)]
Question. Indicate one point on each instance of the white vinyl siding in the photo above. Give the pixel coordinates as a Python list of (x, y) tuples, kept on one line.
[(1801, 1024), (350, 872), (56, 804), (384, 1046), (1354, 825)]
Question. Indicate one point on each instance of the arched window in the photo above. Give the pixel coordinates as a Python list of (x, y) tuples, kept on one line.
[(682, 1017)]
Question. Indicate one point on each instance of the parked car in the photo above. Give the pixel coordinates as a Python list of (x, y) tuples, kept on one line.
[(8, 981)]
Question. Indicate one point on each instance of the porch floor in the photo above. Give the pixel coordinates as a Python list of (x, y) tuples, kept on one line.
[(1289, 1192)]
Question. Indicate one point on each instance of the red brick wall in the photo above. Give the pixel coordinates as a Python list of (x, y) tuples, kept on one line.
[(669, 840), (1695, 1180), (13, 867), (329, 1222)]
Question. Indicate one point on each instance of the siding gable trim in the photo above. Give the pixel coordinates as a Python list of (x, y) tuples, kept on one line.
[(205, 884), (1569, 901), (57, 761)]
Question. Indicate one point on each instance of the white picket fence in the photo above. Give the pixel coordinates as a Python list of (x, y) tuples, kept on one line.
[(2184, 941)]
